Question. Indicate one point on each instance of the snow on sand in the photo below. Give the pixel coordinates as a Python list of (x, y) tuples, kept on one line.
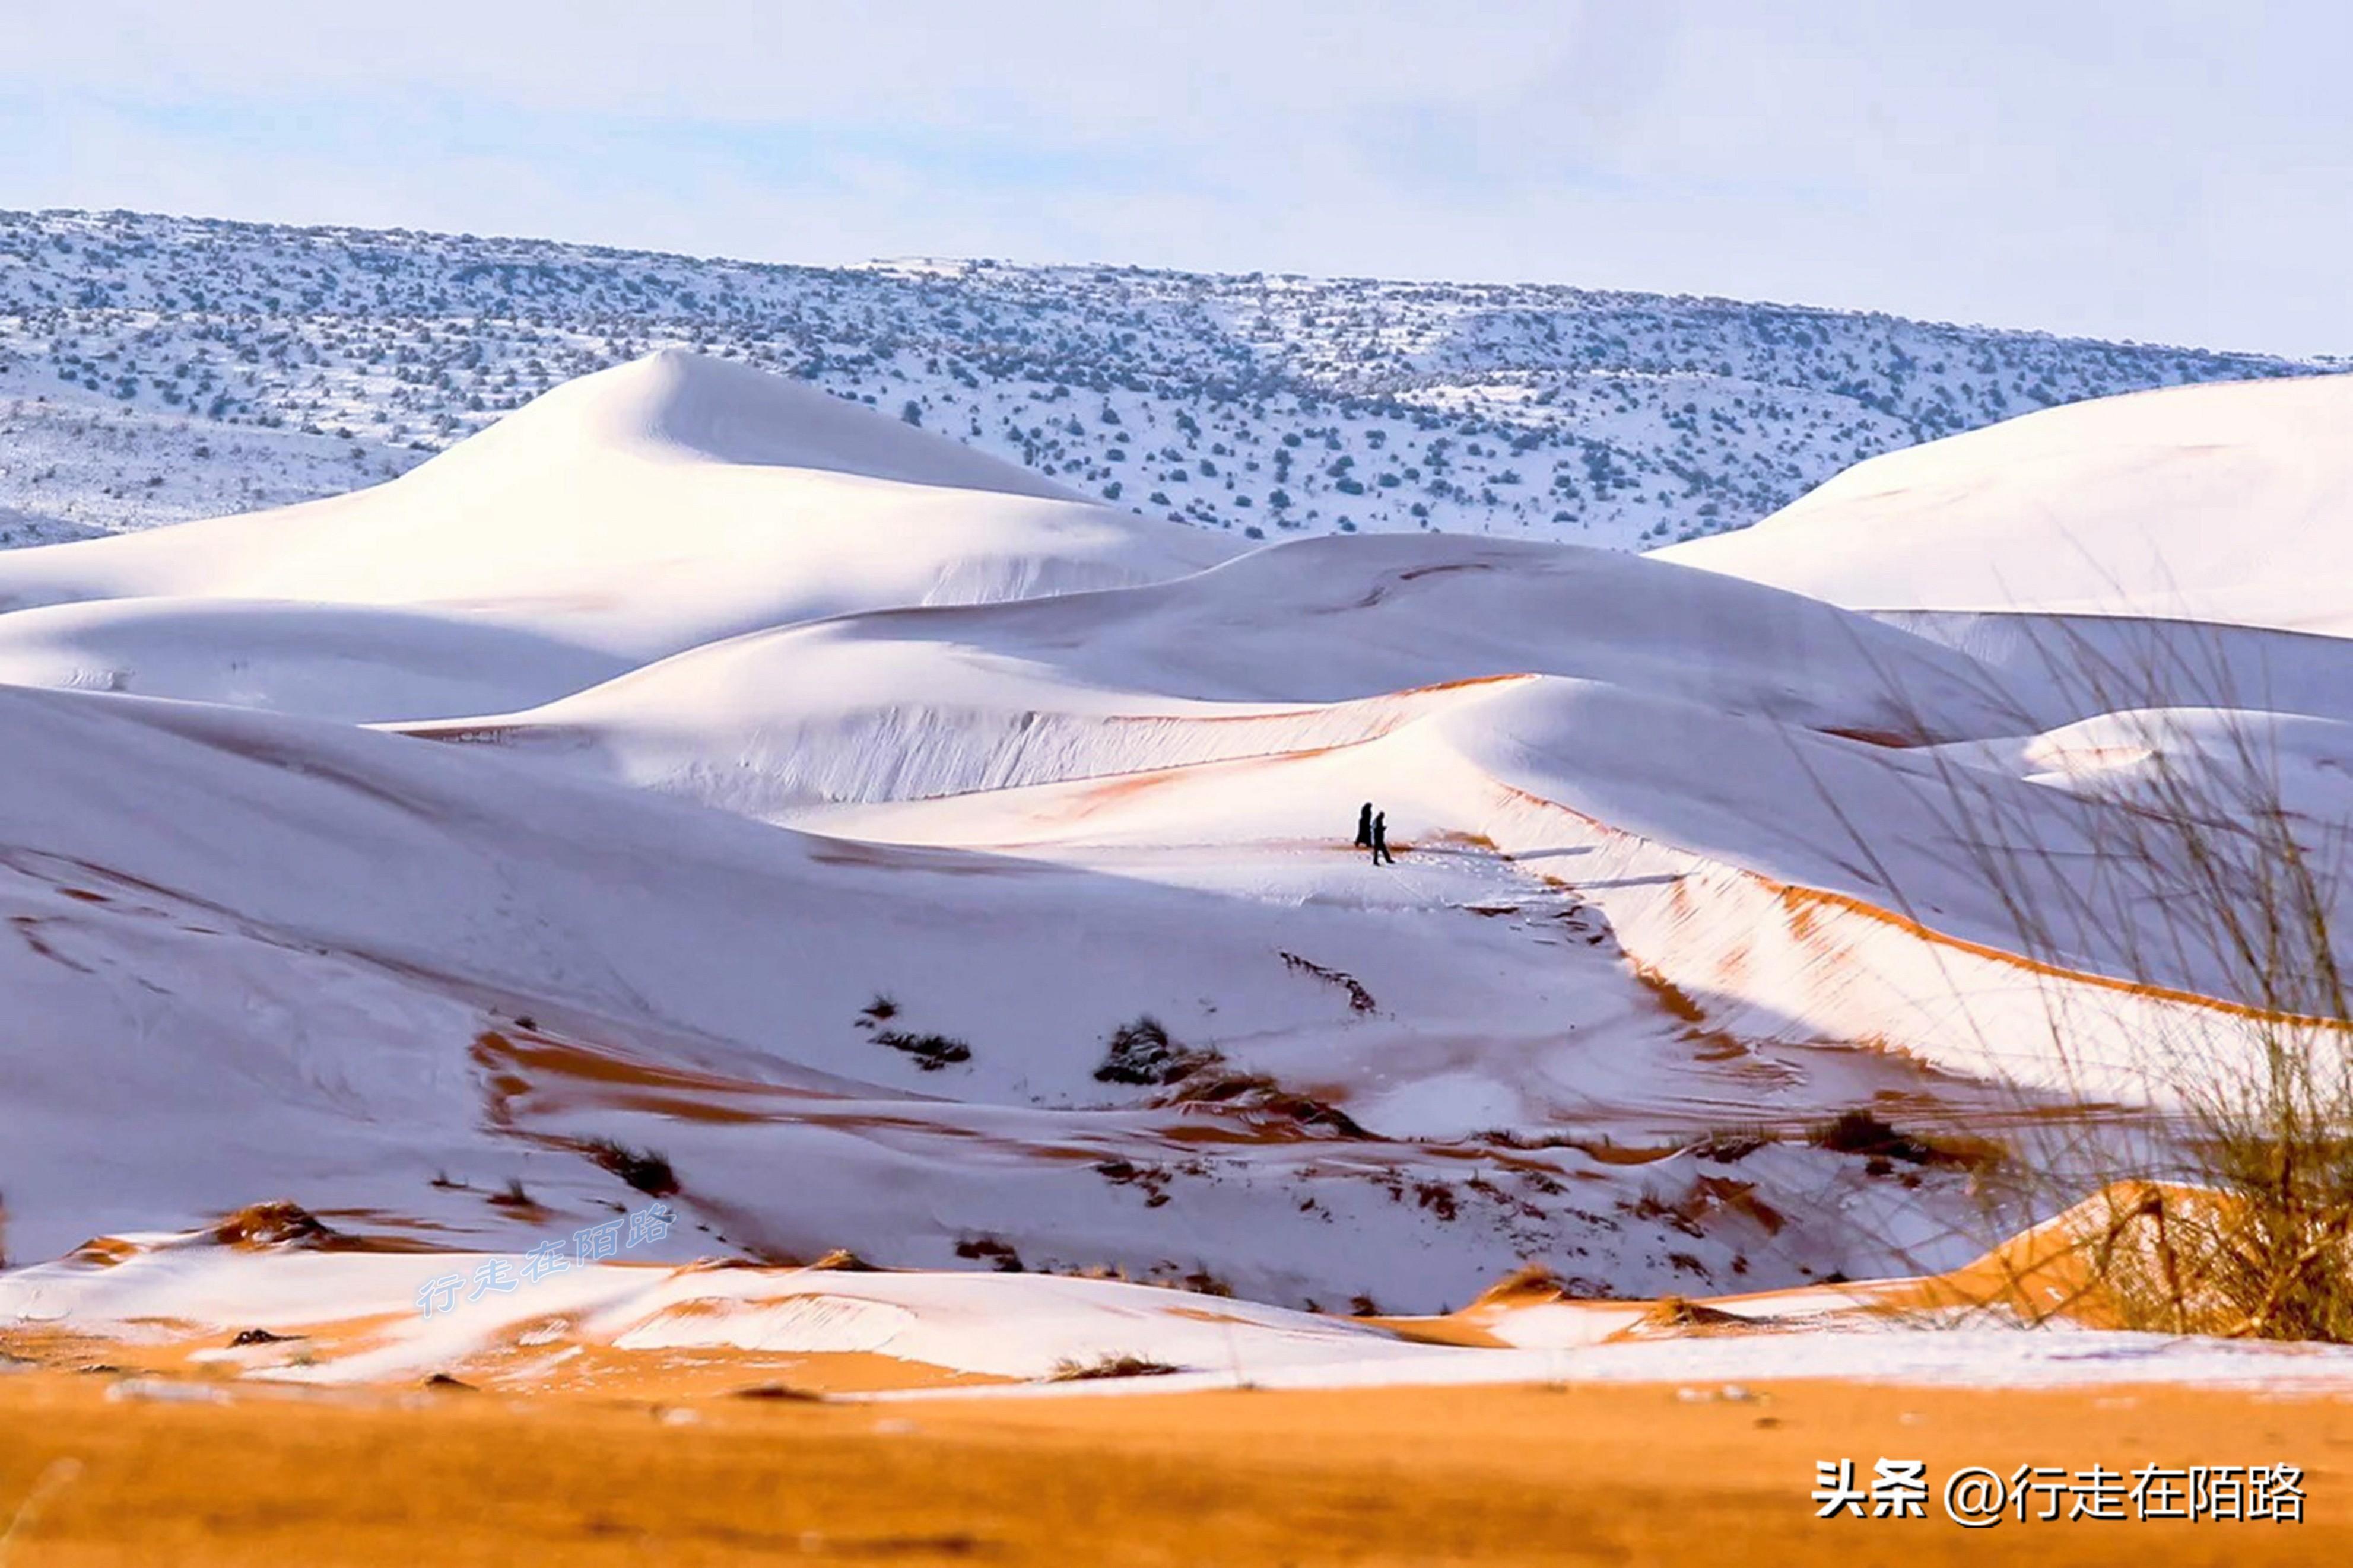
[(826, 807)]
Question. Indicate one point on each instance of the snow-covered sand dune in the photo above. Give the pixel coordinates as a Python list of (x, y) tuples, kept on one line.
[(2230, 504), (313, 1313), (1794, 886), (1317, 643), (924, 863), (627, 515), (317, 944), (353, 663), (2061, 667)]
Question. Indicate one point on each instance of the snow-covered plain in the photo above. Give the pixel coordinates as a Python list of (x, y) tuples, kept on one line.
[(926, 862)]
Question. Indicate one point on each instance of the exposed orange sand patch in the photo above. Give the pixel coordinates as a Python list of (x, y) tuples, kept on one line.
[(104, 1251), (2073, 1266), (1795, 897), (2052, 1273), (530, 1050), (1588, 1475), (562, 1074), (573, 1368), (1400, 697), (279, 1223), (1458, 1329), (176, 1347), (532, 1356)]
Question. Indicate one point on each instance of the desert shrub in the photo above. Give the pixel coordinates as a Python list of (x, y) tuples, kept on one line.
[(1121, 1365), (1359, 999), (260, 1337), (931, 1052), (512, 1196), (1142, 1053), (782, 1392), (1199, 1281), (643, 1169), (1859, 1132), (997, 1252), (1730, 1145)]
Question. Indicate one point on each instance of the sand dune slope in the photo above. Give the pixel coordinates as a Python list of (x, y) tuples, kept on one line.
[(2228, 503), (623, 516)]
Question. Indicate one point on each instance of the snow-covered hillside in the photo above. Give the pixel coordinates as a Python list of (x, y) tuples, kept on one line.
[(155, 369)]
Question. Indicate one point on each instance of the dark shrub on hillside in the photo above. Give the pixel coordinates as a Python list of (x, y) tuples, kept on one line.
[(1142, 1053), (643, 1169)]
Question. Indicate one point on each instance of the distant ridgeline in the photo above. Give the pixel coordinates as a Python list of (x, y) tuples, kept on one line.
[(158, 368)]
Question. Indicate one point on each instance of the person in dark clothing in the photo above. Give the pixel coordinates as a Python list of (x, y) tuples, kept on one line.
[(1365, 826), (1381, 840)]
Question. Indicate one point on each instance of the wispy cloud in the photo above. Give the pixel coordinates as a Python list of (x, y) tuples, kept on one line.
[(2165, 169)]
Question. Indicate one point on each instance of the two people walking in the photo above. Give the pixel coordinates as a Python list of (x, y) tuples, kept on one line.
[(1372, 833)]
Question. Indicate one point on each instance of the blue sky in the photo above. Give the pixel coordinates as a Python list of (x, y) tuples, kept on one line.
[(2161, 170)]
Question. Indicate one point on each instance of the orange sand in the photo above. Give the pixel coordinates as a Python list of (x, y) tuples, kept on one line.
[(1626, 1475)]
